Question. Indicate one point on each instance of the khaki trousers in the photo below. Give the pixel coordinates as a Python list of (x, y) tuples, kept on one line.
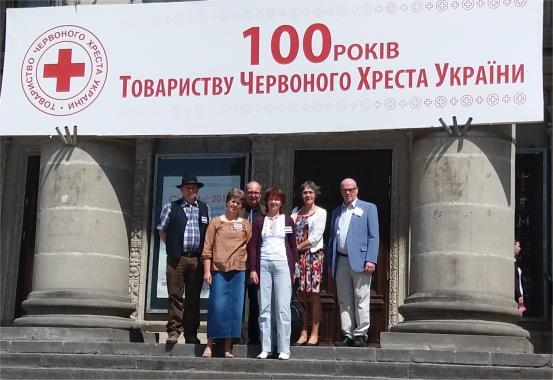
[(354, 298)]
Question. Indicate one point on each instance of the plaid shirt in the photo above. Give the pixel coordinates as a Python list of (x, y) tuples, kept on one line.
[(191, 238)]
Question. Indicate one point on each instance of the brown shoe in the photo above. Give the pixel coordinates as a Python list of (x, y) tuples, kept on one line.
[(172, 339)]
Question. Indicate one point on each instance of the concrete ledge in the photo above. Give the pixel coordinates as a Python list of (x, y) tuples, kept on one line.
[(454, 342), (432, 371), (451, 357), (393, 355), (522, 360), (70, 334)]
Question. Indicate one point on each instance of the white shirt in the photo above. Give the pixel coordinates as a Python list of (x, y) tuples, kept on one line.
[(272, 239), (343, 225)]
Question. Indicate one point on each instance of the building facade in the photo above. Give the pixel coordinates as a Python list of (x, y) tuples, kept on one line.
[(78, 246)]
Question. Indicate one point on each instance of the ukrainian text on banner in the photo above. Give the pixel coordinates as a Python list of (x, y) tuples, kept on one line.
[(207, 68)]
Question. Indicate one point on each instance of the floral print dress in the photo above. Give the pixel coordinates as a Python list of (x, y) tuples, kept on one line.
[(310, 264)]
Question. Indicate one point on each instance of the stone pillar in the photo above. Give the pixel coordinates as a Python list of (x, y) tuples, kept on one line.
[(81, 266), (461, 284)]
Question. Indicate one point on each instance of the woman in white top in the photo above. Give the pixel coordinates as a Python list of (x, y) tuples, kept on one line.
[(310, 223), (272, 256)]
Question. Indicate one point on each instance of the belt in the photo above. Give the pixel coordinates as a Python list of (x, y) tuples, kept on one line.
[(190, 253), (343, 254)]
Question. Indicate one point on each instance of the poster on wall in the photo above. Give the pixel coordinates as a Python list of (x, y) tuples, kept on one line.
[(219, 175), (270, 67)]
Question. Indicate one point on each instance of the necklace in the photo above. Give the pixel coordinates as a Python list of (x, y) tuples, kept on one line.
[(309, 213)]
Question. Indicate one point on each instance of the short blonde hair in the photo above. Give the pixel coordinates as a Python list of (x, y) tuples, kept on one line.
[(236, 193)]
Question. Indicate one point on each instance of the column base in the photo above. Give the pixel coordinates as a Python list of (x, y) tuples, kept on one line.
[(454, 342), (77, 309), (76, 320), (70, 334), (461, 327)]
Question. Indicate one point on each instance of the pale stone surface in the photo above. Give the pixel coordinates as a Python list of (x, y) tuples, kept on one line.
[(462, 231), (82, 246), (455, 343)]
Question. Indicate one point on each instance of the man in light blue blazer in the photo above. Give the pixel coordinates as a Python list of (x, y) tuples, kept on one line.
[(352, 257)]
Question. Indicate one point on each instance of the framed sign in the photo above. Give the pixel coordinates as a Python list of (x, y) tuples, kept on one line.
[(219, 174)]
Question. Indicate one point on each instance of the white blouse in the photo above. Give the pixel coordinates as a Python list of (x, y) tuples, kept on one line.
[(316, 227), (272, 239)]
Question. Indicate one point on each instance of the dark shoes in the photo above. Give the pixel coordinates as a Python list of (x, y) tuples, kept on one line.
[(359, 341), (191, 339), (346, 341)]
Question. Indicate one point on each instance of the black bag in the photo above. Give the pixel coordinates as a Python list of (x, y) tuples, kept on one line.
[(296, 310)]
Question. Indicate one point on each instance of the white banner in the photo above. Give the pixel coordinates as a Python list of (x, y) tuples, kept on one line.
[(212, 68)]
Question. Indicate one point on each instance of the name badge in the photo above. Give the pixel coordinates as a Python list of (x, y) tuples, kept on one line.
[(287, 229), (237, 226), (358, 211), (204, 219)]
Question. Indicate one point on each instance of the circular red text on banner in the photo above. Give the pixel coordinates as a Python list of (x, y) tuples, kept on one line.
[(64, 70)]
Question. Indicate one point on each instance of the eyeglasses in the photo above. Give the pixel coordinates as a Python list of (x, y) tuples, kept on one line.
[(349, 190)]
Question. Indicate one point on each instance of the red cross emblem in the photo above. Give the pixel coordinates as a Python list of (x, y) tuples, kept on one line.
[(64, 70), (75, 58)]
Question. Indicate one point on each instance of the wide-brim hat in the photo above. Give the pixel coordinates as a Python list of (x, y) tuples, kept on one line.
[(190, 179)]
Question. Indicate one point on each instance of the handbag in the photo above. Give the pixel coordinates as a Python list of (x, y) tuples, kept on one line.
[(296, 310)]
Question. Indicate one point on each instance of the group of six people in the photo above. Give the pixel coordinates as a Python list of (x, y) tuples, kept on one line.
[(265, 253)]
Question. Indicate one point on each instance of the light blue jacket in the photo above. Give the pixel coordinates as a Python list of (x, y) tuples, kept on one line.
[(362, 240)]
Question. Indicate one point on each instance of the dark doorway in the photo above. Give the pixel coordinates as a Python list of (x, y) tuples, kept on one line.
[(372, 169), (28, 233)]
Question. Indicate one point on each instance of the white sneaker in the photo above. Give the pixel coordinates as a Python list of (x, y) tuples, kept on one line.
[(284, 356), (263, 355)]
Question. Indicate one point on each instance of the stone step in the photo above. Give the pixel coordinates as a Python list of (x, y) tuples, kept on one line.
[(67, 367), (25, 359), (304, 353), (79, 373)]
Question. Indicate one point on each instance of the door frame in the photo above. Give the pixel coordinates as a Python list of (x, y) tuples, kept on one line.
[(14, 155), (399, 143)]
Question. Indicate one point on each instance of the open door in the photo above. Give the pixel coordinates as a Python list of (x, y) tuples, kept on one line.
[(28, 233), (372, 170)]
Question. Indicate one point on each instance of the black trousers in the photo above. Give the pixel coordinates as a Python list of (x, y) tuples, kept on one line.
[(253, 317)]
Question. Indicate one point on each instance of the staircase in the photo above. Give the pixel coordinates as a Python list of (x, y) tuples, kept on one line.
[(26, 359)]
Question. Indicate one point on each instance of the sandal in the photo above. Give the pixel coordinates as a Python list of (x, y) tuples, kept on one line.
[(228, 354), (300, 343), (207, 353)]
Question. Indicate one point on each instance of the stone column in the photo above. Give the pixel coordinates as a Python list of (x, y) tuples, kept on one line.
[(461, 284), (81, 266)]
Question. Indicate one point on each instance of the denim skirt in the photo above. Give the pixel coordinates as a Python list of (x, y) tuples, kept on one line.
[(226, 303)]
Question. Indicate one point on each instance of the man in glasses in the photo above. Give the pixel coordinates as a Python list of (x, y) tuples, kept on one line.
[(352, 258)]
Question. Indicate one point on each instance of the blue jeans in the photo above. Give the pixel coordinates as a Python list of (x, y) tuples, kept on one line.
[(275, 291)]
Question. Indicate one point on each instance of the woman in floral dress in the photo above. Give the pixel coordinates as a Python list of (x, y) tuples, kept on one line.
[(310, 223)]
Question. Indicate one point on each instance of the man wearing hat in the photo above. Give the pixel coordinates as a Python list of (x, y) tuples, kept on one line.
[(182, 228)]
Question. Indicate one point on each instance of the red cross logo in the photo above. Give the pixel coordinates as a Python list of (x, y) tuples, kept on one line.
[(64, 70)]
